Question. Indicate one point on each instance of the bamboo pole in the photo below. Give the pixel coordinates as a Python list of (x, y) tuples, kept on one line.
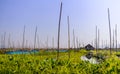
[(76, 43), (116, 35), (74, 39), (47, 43), (106, 43), (96, 40), (4, 39), (68, 37), (53, 43), (9, 43), (102, 44), (113, 39), (26, 43), (79, 44), (38, 41), (109, 29), (23, 38), (35, 38), (59, 30), (1, 41)]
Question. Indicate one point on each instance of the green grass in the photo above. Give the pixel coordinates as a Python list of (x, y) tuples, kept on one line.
[(46, 63)]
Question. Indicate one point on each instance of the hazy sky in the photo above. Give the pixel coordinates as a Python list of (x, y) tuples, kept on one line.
[(84, 16)]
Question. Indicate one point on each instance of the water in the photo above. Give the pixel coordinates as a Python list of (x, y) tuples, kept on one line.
[(22, 52), (63, 50), (91, 60)]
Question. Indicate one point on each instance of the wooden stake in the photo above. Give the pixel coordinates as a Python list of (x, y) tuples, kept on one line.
[(76, 43), (35, 38), (102, 44), (113, 39), (109, 29), (23, 38), (59, 30), (68, 37), (9, 43), (38, 41), (47, 43), (116, 35), (53, 43), (96, 39), (1, 41), (4, 39), (74, 39), (26, 43)]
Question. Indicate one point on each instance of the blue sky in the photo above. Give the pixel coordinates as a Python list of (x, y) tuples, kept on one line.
[(84, 16)]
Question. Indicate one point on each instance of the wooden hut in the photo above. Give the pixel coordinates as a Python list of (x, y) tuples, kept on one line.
[(89, 47)]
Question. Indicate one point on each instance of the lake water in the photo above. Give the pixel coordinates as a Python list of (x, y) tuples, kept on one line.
[(61, 50), (22, 52)]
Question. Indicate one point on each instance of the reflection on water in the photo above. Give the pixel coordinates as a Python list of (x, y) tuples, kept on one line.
[(91, 60), (63, 50), (22, 52)]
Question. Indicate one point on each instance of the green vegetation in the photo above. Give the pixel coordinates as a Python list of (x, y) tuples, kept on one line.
[(46, 63)]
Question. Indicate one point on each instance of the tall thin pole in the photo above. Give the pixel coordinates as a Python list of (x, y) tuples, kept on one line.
[(23, 38), (109, 29), (59, 29), (35, 38), (38, 41), (26, 43), (106, 43), (68, 36), (102, 44), (96, 39), (113, 39), (74, 38), (53, 42), (9, 43), (4, 38), (1, 41), (116, 35), (76, 42), (47, 43), (79, 45)]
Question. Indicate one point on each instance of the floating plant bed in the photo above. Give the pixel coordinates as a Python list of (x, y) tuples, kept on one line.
[(93, 59), (22, 52)]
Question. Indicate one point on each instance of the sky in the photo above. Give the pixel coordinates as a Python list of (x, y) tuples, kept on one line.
[(84, 16)]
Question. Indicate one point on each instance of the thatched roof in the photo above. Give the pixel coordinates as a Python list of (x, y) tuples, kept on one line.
[(89, 47)]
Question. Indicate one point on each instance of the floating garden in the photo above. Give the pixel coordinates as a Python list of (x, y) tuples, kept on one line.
[(46, 63)]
